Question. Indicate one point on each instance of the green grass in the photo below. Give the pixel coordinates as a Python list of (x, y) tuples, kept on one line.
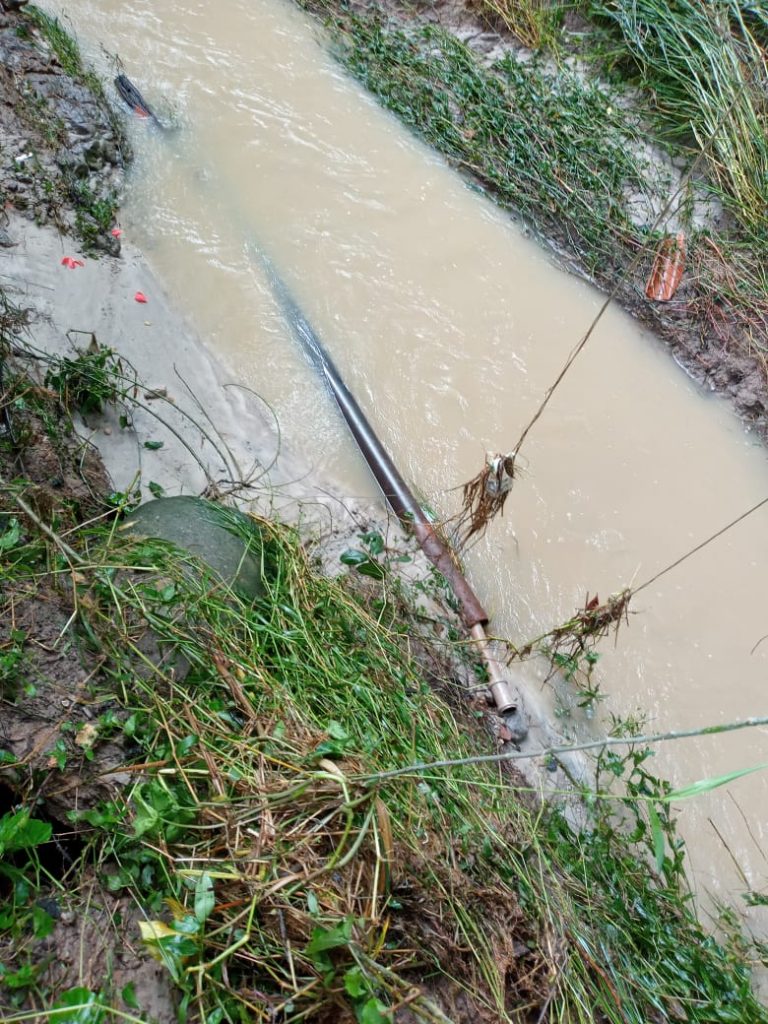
[(704, 65), (273, 876), (94, 215), (702, 68), (564, 150), (65, 46)]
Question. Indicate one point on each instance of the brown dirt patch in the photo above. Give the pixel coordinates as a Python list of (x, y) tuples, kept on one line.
[(93, 945), (52, 722)]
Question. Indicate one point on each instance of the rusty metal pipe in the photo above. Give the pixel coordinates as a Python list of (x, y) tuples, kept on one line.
[(398, 494)]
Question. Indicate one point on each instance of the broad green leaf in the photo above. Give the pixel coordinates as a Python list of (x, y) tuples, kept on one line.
[(128, 995), (352, 556), (23, 978), (9, 538), (371, 568), (373, 541), (77, 1006), (20, 832), (329, 938), (356, 983), (42, 922), (205, 898), (187, 925), (145, 820), (363, 563), (706, 785), (374, 1012)]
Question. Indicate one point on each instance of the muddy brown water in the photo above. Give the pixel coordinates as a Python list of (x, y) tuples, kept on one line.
[(449, 325)]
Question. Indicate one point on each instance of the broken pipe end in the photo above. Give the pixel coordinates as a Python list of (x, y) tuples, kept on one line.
[(505, 696), (506, 701)]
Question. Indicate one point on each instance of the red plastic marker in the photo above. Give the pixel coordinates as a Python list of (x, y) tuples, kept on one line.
[(140, 297), (67, 261), (116, 232)]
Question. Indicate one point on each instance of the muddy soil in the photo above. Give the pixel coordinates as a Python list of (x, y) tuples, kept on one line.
[(62, 151), (50, 726)]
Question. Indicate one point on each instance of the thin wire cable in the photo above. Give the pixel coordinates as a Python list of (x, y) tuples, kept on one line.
[(703, 544), (559, 751)]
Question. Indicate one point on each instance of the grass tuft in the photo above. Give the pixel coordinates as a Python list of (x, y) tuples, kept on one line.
[(64, 45), (552, 148), (534, 22), (705, 65)]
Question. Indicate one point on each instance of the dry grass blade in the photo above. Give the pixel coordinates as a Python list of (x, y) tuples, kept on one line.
[(530, 21)]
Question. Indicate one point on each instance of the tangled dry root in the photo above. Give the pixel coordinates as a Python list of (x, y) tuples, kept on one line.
[(485, 495)]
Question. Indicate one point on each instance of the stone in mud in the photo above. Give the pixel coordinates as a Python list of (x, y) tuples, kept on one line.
[(226, 540), (749, 401), (516, 725)]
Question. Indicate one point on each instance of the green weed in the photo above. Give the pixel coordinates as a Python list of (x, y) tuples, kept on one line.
[(88, 381), (705, 67), (562, 150), (65, 47), (551, 148), (94, 215)]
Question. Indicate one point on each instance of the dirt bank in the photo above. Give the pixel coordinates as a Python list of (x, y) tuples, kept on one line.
[(63, 150)]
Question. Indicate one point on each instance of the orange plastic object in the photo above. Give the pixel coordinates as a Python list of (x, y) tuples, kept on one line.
[(667, 270)]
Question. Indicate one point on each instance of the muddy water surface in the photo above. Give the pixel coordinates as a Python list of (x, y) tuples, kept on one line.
[(449, 325)]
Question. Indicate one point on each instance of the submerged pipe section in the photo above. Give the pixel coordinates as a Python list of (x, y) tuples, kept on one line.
[(399, 496)]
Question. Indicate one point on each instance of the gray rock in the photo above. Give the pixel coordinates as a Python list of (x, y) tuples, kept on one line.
[(749, 401), (517, 724), (227, 541)]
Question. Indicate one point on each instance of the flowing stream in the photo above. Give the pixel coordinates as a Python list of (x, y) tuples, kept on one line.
[(449, 325)]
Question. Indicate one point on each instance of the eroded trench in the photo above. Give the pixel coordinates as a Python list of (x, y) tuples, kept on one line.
[(449, 325)]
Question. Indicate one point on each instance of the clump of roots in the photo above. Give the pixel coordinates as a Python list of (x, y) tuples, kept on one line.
[(484, 497), (586, 628)]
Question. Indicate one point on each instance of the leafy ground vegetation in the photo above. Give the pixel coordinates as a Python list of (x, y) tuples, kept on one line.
[(605, 124), (196, 824)]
